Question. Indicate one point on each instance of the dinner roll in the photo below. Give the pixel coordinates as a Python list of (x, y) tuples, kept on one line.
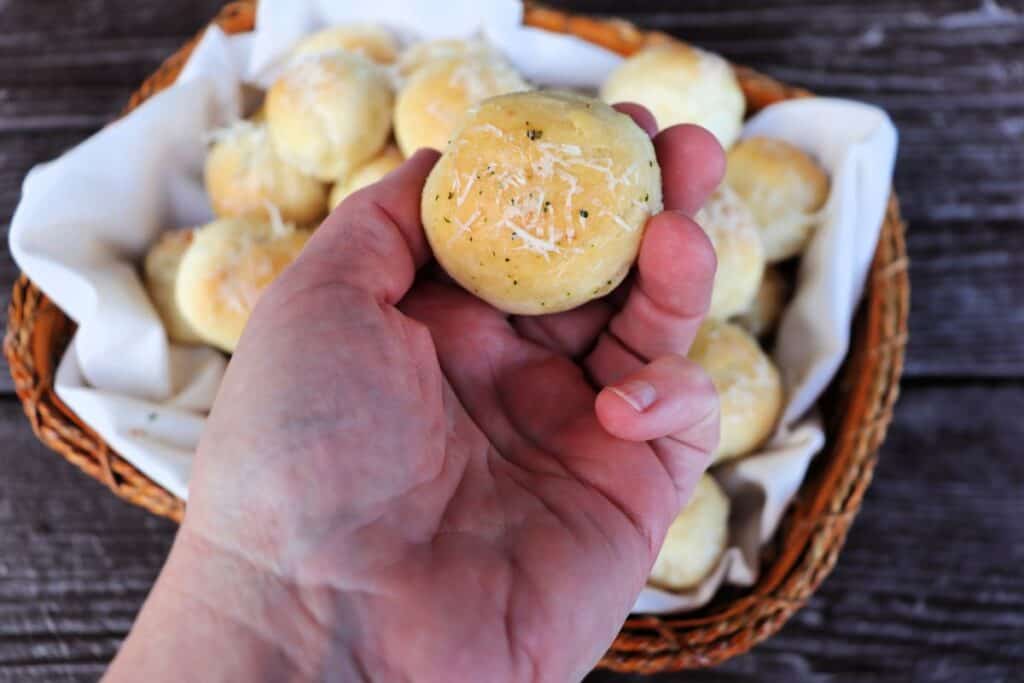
[(244, 175), (784, 188), (421, 54), (228, 266), (437, 96), (762, 316), (734, 235), (539, 203), (372, 42), (748, 383), (681, 84), (329, 113), (367, 174), (161, 273), (695, 540)]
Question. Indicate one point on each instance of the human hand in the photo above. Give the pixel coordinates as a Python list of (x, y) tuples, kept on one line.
[(398, 481)]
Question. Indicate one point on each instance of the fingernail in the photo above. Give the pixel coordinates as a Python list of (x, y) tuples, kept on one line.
[(640, 395)]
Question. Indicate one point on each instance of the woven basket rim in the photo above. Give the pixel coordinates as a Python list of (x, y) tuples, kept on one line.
[(38, 333)]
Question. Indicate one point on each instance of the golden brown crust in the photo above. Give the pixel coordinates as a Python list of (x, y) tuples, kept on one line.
[(226, 269), (540, 202), (784, 188), (437, 96), (327, 114), (366, 174), (695, 540), (737, 241), (160, 269), (748, 383), (681, 84), (244, 176)]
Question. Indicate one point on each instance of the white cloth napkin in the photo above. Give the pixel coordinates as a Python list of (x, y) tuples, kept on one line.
[(85, 220)]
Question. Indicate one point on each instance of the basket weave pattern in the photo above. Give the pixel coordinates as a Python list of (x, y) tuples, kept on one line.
[(859, 409)]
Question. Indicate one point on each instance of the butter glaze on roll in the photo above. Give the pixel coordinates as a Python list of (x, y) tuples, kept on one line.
[(695, 540), (244, 174), (437, 96), (737, 242), (750, 392), (367, 174), (366, 40), (540, 201), (785, 189), (225, 270), (329, 113), (163, 261), (421, 54), (681, 84)]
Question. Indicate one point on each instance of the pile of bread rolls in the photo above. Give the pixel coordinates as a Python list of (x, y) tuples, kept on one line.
[(346, 110), (537, 206), (760, 221)]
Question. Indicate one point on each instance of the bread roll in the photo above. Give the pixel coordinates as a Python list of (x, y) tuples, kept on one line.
[(695, 540), (748, 383), (224, 271), (161, 273), (437, 96), (681, 84), (734, 234), (367, 174), (784, 188), (421, 54), (762, 316), (367, 40), (541, 200), (244, 175), (329, 113)]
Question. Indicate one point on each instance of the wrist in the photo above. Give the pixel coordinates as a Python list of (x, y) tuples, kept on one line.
[(216, 615)]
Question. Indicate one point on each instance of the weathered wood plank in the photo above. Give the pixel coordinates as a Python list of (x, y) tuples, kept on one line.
[(926, 589)]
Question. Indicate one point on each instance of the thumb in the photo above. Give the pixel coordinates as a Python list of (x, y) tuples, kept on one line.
[(374, 240)]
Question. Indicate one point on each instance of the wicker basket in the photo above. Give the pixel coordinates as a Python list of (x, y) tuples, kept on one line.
[(859, 408)]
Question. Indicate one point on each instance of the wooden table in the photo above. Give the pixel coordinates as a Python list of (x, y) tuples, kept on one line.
[(929, 586)]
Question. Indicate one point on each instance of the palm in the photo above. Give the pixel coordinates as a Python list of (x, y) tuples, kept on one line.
[(495, 485)]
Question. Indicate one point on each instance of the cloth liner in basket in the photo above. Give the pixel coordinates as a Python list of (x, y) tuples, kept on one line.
[(857, 415)]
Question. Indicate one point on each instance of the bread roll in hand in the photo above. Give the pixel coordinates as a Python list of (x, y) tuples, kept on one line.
[(540, 201)]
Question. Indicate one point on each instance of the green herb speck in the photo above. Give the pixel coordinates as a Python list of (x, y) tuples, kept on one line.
[(584, 213)]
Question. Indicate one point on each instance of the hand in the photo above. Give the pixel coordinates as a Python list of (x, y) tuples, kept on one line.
[(399, 482)]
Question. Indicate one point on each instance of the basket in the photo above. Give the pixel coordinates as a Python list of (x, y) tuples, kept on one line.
[(858, 407)]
